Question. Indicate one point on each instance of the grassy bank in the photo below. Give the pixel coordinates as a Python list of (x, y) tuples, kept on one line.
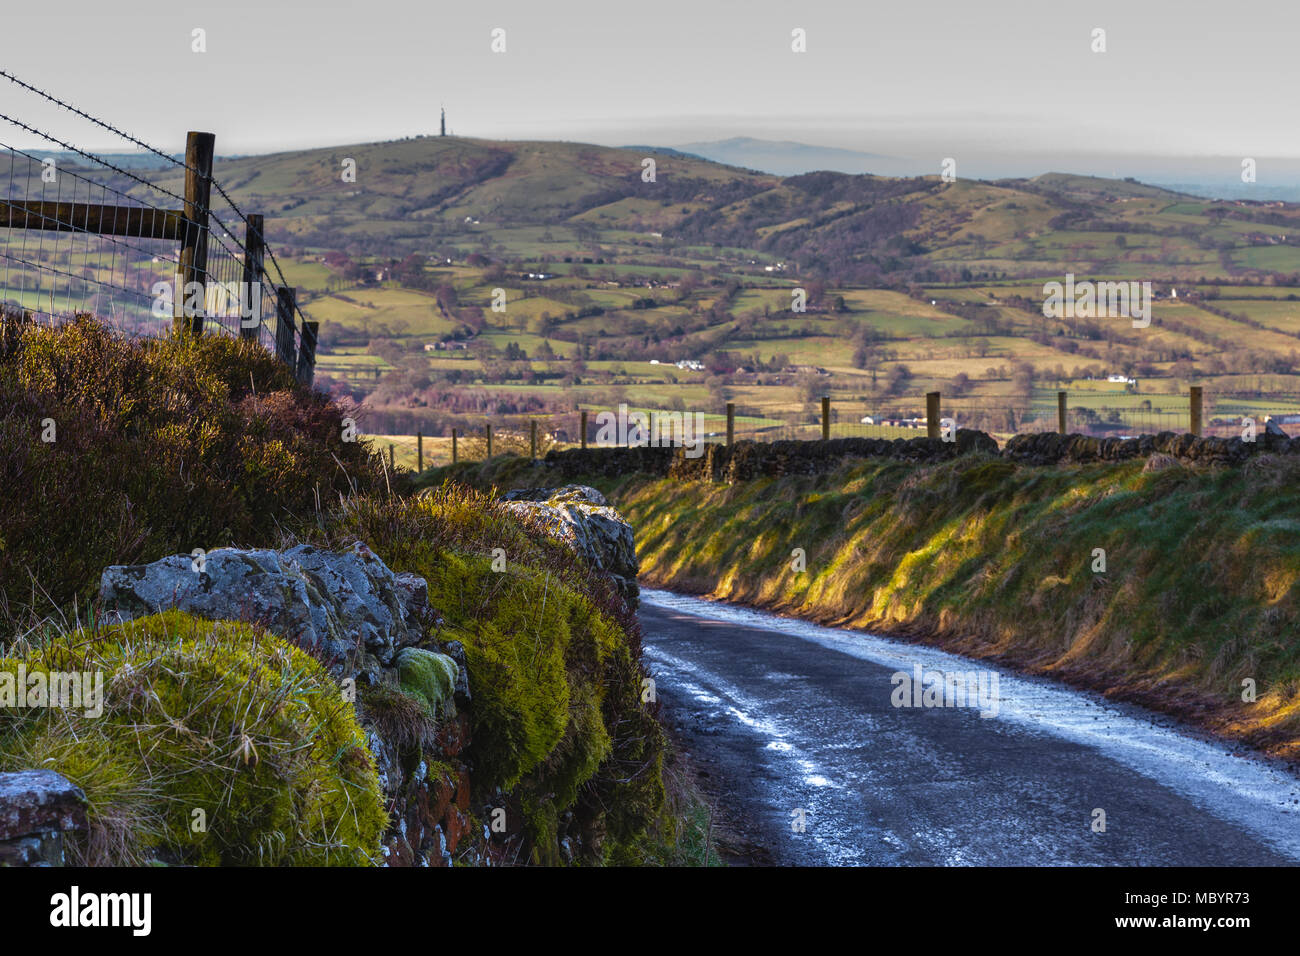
[(120, 452), (992, 559), (996, 560)]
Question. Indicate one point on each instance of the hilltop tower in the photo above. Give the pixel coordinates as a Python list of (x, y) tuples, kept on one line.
[(444, 122)]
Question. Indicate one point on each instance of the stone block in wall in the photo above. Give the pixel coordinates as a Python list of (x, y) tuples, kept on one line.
[(37, 807)]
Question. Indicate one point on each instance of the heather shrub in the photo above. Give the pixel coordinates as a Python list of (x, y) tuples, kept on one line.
[(159, 446)]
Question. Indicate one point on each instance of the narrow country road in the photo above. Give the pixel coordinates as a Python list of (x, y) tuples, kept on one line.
[(793, 722)]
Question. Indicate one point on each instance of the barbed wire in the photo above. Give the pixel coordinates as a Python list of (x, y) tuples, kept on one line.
[(227, 254), (103, 124), (98, 122)]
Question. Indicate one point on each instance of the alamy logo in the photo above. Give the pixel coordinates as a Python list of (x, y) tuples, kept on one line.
[(1090, 300), (75, 908), (656, 430), (924, 688), (67, 690), (220, 299)]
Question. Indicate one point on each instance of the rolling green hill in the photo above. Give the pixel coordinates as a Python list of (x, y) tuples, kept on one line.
[(457, 278)]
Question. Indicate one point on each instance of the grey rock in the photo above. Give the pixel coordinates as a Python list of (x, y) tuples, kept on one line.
[(580, 494), (456, 651), (580, 517), (36, 808), (34, 800), (346, 606)]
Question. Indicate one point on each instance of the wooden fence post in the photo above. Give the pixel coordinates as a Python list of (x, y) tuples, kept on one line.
[(419, 452), (584, 428), (250, 301), (731, 423), (391, 466), (532, 439), (487, 430), (192, 263), (453, 445), (1195, 410), (307, 352), (1060, 412), (826, 417), (932, 414), (284, 308)]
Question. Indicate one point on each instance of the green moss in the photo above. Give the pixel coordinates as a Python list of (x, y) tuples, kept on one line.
[(204, 722), (440, 770), (551, 653), (514, 632), (430, 678)]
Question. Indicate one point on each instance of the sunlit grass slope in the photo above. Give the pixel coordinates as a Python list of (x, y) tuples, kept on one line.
[(1198, 592)]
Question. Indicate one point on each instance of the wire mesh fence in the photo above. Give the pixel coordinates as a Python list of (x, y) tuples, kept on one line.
[(146, 241)]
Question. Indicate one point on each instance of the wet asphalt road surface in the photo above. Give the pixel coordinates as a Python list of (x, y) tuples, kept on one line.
[(782, 716)]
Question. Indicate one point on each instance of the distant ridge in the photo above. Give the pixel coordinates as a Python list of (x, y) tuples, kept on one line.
[(788, 158), (664, 151)]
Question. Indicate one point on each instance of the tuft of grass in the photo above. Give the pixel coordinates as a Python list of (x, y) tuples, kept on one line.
[(683, 834), (218, 744), (398, 716)]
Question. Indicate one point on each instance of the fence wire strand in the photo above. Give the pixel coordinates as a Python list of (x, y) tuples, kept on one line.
[(70, 261)]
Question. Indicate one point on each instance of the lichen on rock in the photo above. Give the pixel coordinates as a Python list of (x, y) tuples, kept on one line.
[(343, 606), (579, 516)]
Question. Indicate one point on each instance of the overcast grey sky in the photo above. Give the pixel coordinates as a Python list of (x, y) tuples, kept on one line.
[(1003, 81)]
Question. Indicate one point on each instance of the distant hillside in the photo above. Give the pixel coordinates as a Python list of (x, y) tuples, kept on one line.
[(409, 189), (1092, 188), (456, 278), (432, 193), (786, 158), (546, 202), (1237, 190)]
